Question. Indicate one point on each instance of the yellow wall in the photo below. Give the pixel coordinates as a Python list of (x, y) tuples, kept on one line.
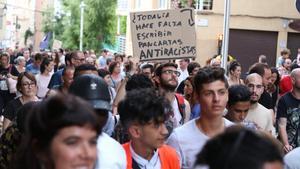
[(264, 15), (267, 15), (282, 8), (207, 36)]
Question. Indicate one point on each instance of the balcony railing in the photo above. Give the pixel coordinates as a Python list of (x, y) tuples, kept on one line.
[(121, 44)]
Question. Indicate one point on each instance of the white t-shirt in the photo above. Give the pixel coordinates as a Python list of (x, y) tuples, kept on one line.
[(42, 84), (188, 140), (183, 75), (62, 60), (291, 159), (261, 116), (177, 115), (110, 153)]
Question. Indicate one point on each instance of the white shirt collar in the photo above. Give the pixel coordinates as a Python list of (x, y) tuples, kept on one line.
[(154, 162)]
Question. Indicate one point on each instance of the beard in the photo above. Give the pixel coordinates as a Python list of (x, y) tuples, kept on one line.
[(296, 86), (253, 101), (166, 85)]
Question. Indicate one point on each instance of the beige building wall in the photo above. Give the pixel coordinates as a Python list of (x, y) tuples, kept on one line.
[(24, 12), (29, 14), (40, 5), (18, 12), (268, 15)]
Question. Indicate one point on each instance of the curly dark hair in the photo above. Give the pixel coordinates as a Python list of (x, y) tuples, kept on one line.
[(209, 75), (142, 106)]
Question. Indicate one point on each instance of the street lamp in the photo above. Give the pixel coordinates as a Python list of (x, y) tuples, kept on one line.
[(82, 5), (220, 42)]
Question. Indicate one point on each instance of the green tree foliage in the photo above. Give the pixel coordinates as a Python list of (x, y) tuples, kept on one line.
[(71, 30), (187, 3), (54, 24), (100, 24), (123, 23)]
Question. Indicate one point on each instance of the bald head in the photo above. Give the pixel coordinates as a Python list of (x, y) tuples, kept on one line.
[(295, 76), (215, 62), (252, 77), (255, 84), (295, 72)]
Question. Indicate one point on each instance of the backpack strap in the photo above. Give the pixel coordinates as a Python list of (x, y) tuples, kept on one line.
[(181, 106)]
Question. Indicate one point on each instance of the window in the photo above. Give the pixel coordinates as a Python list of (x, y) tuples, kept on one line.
[(204, 4), (162, 4), (122, 5), (138, 4)]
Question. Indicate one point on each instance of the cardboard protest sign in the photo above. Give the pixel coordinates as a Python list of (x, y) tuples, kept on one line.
[(163, 34)]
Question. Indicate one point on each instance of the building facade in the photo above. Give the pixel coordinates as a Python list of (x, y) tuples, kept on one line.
[(40, 7), (256, 27), (18, 17)]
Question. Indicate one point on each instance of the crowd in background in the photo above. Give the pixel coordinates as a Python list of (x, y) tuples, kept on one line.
[(68, 109)]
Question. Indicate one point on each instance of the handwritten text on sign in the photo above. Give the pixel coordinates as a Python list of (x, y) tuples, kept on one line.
[(163, 34)]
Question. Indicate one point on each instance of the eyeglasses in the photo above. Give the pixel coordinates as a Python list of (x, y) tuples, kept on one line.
[(28, 84), (177, 73)]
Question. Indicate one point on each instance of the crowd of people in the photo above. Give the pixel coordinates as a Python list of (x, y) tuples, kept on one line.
[(71, 109)]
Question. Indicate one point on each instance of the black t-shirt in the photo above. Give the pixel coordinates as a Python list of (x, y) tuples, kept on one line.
[(4, 71), (11, 69), (14, 71), (10, 111), (275, 96), (289, 107), (266, 100), (180, 88), (3, 83)]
